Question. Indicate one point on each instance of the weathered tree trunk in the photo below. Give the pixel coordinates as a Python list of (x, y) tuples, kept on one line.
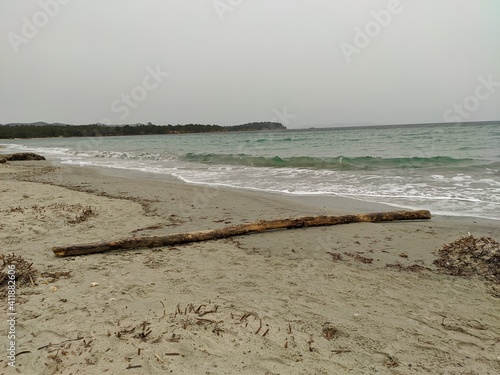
[(236, 230)]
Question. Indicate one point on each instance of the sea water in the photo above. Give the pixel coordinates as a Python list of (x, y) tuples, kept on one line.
[(450, 169)]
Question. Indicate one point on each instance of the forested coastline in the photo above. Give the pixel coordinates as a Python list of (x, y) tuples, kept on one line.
[(43, 130)]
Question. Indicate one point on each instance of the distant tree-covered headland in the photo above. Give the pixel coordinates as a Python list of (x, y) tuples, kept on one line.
[(44, 130)]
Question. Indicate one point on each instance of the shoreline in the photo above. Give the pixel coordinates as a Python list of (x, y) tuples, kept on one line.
[(347, 204), (197, 308)]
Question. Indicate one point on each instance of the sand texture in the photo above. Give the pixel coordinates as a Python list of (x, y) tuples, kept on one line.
[(352, 299)]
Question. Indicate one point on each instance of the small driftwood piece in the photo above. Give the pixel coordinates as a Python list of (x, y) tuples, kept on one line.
[(235, 230)]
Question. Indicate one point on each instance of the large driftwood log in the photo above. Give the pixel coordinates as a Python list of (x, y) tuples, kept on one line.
[(236, 230)]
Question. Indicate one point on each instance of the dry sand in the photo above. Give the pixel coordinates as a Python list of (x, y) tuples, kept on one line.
[(271, 303)]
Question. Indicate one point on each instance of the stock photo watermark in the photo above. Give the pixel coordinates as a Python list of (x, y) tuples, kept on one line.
[(31, 26), (139, 93), (125, 103), (365, 35), (283, 116), (11, 315), (201, 199), (462, 111), (225, 6), (280, 115)]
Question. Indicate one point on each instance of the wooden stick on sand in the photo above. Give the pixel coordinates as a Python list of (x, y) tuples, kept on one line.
[(235, 230)]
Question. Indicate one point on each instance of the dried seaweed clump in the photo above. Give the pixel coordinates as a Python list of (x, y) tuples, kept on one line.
[(20, 156), (84, 215), (24, 271), (471, 256)]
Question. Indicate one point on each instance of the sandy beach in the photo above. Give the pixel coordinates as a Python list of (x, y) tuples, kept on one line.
[(351, 299)]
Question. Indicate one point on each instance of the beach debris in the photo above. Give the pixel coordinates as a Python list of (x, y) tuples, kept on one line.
[(132, 366), (330, 332), (174, 338), (143, 334), (22, 270), (151, 227), (335, 256), (60, 350), (470, 256), (260, 326), (59, 344), (495, 292), (85, 214), (53, 288), (72, 213), (20, 156), (94, 284), (339, 351), (192, 318), (159, 359), (125, 331), (359, 258), (145, 331), (236, 230), (410, 268), (310, 342), (391, 361), (56, 275)]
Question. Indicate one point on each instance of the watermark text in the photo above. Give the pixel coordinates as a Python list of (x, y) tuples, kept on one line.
[(31, 26), (11, 315), (462, 111)]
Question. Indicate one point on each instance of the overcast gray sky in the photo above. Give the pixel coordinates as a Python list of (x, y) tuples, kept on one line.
[(301, 62)]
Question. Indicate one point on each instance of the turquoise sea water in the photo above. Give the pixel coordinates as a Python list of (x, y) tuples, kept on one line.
[(448, 169)]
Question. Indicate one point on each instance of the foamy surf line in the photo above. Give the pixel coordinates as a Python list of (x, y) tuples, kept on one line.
[(419, 202), (55, 151), (293, 181)]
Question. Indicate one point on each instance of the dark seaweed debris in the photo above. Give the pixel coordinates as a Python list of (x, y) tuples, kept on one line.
[(25, 274), (20, 156), (471, 256)]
